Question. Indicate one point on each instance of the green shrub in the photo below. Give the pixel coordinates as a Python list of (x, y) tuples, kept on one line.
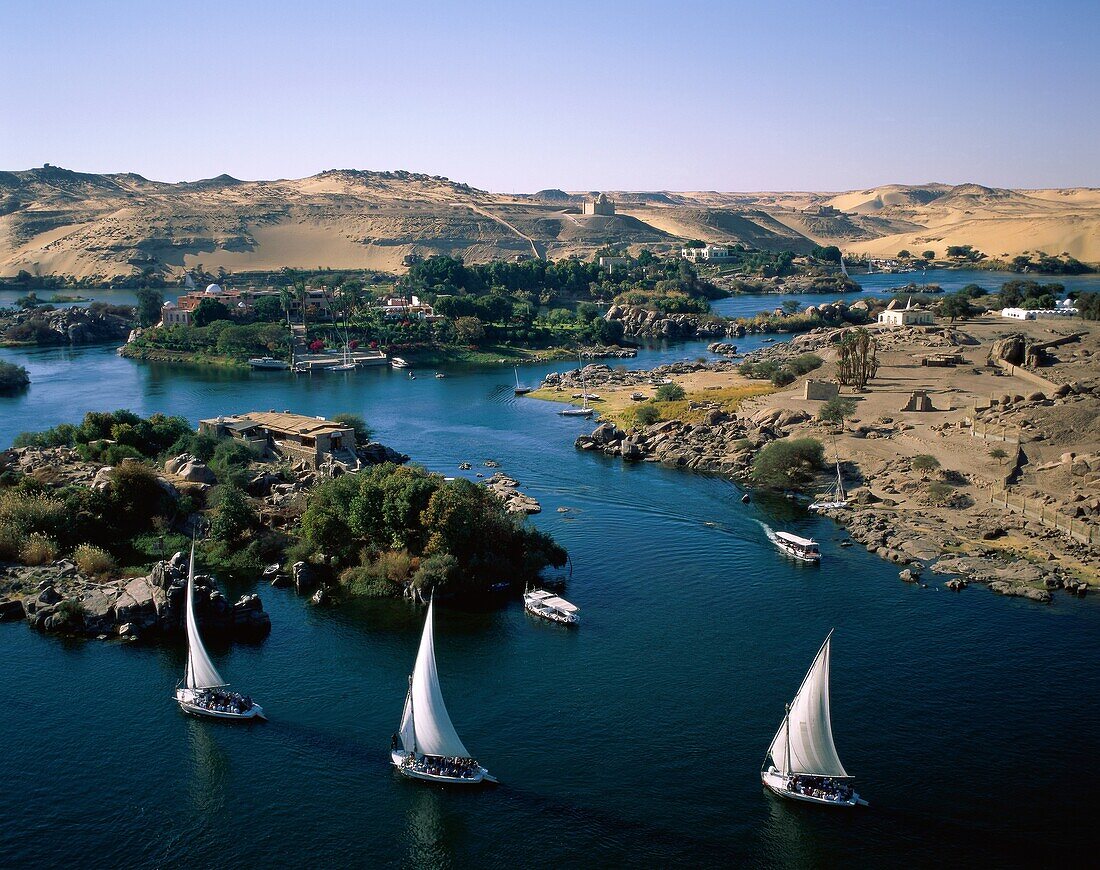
[(669, 393), (788, 464), (646, 415), (805, 362), (363, 433), (368, 581), (924, 462), (10, 539), (783, 376), (435, 572), (938, 491), (230, 462), (837, 410)]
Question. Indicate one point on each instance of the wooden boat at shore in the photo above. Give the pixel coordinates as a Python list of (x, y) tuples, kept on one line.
[(803, 549), (202, 692), (427, 747), (804, 762), (547, 605), (836, 497)]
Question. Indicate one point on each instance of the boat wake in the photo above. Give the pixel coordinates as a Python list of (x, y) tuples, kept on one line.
[(768, 530)]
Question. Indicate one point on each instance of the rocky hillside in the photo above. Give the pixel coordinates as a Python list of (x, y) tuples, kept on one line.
[(57, 221)]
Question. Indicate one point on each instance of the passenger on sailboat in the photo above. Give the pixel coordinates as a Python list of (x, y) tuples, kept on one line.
[(223, 702), (822, 787)]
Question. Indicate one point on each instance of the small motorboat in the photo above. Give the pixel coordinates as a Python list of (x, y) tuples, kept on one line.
[(803, 549), (440, 375), (398, 363), (547, 605), (412, 377), (638, 397)]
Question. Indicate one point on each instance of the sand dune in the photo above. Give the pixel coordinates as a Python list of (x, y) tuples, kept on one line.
[(55, 220)]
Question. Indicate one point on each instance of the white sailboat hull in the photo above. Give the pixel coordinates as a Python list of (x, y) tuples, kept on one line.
[(825, 505), (185, 698), (576, 412), (776, 783), (397, 758)]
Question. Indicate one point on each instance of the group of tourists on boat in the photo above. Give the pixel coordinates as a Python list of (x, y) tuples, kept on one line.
[(222, 702), (451, 766), (820, 787)]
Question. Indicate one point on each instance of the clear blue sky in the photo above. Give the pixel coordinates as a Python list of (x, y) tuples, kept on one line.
[(578, 95)]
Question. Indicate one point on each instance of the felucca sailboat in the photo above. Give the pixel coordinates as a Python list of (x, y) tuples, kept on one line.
[(836, 497), (427, 746), (583, 410), (203, 692), (804, 764)]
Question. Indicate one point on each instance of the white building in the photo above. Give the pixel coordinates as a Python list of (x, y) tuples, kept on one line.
[(172, 315), (1039, 313), (707, 252), (907, 316), (610, 262)]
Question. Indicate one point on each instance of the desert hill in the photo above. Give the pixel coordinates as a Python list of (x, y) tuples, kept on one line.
[(55, 220)]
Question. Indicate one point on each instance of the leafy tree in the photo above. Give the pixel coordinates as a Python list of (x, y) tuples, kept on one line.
[(233, 518), (788, 463), (669, 393), (791, 306), (469, 330), (209, 310), (13, 378), (363, 433), (149, 304), (924, 462), (646, 415), (903, 254), (828, 253), (956, 306), (928, 255), (230, 461), (268, 308), (837, 410), (857, 359)]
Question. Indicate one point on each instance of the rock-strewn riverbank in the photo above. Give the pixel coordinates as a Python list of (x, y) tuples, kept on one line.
[(65, 326), (58, 598)]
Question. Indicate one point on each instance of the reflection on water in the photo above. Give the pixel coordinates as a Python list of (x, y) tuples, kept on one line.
[(209, 768)]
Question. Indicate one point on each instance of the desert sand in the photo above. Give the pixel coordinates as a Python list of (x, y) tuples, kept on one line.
[(54, 220)]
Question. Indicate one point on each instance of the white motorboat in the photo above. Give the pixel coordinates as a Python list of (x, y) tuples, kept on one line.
[(804, 762), (398, 363), (803, 549), (440, 375), (203, 692), (547, 605), (836, 497), (268, 363), (427, 747)]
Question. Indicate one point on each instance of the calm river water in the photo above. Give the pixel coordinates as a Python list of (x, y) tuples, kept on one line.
[(969, 720)]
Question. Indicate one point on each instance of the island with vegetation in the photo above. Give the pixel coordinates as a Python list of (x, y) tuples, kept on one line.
[(91, 513)]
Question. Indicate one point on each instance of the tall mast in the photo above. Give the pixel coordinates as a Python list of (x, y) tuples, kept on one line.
[(787, 732), (412, 717)]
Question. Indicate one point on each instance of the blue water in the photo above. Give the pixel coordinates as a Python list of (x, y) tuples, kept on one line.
[(885, 285), (635, 740)]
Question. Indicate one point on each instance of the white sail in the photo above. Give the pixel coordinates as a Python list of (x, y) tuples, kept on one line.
[(425, 726), (810, 742), (840, 494), (201, 673)]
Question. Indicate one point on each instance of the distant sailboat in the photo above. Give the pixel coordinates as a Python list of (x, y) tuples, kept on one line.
[(202, 691), (427, 747), (583, 410), (520, 390), (804, 762), (843, 268), (836, 497)]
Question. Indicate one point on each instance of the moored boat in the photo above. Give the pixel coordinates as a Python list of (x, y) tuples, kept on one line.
[(268, 363), (803, 549), (427, 747), (398, 363), (203, 692), (583, 410), (836, 497), (804, 762), (547, 605), (520, 389)]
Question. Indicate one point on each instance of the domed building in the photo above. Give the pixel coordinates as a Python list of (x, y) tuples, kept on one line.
[(602, 204), (213, 289)]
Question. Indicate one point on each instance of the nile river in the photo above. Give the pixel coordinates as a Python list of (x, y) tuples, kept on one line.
[(969, 720)]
